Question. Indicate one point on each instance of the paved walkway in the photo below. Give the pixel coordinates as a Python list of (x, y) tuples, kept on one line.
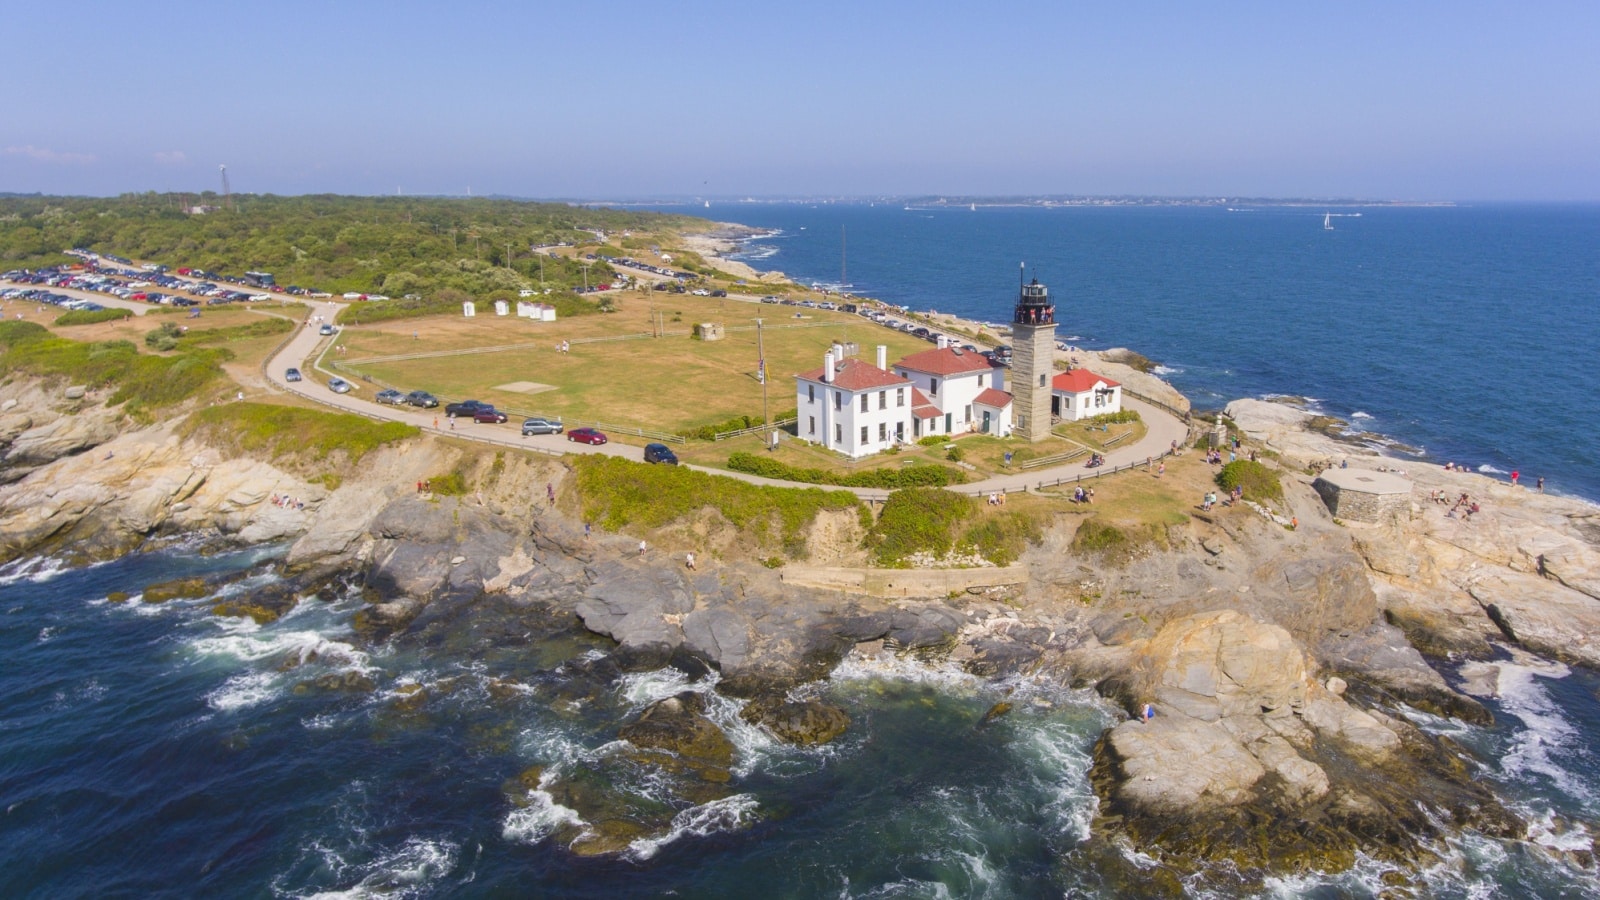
[(303, 351)]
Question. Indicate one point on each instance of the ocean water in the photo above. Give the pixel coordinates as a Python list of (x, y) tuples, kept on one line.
[(162, 751), (1467, 333)]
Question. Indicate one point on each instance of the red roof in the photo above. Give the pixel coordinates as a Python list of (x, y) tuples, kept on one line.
[(1080, 381), (922, 407), (993, 398), (948, 361), (855, 375)]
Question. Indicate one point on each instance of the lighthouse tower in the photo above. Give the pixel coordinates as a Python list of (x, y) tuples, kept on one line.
[(1033, 343)]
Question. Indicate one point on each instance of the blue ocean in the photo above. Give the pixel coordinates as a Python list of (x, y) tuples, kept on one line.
[(1465, 333), (162, 751)]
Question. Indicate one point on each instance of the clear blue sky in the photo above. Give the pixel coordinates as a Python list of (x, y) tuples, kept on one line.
[(1410, 100)]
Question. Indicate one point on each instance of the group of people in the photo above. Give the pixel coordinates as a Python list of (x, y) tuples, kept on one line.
[(287, 502), (1083, 495), (1463, 504), (1208, 501), (564, 347), (997, 499), (425, 487), (1095, 461), (1515, 479)]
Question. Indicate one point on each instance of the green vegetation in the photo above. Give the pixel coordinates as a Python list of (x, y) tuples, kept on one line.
[(92, 316), (1259, 482), (933, 440), (618, 494), (918, 520), (163, 337), (284, 431), (891, 479), (1112, 544), (267, 327), (1116, 418), (450, 484), (388, 245), (1002, 537), (143, 382)]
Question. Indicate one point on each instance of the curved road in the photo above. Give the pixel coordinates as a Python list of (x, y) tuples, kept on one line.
[(306, 345)]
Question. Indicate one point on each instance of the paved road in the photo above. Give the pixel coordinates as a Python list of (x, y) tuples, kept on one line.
[(304, 349)]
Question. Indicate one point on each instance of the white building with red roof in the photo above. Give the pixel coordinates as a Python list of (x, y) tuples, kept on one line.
[(856, 408), (1081, 394), (968, 389)]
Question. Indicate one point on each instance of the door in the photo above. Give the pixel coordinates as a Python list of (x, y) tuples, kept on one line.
[(986, 421), (947, 421)]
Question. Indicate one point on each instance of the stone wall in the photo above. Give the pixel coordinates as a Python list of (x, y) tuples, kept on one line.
[(1363, 506)]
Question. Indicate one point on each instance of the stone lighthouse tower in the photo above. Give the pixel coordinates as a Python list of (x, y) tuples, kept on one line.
[(1033, 343)]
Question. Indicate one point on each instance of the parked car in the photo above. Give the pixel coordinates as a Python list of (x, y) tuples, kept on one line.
[(489, 415), (391, 396), (339, 385), (540, 426), (660, 453), (465, 407), (291, 374), (422, 399), (586, 436)]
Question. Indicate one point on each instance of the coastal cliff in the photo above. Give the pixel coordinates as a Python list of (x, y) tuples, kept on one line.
[(1277, 656)]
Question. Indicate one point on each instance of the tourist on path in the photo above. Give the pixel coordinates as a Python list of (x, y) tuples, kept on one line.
[(1161, 469)]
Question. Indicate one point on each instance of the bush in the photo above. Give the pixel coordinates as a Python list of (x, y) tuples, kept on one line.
[(1097, 537), (1116, 418), (889, 479), (618, 493), (933, 440), (918, 520), (1002, 537), (92, 316), (164, 337), (954, 454), (1259, 482), (287, 430), (450, 484)]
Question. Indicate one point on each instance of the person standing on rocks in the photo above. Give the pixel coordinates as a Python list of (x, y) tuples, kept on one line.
[(688, 560), (641, 549), (1541, 484)]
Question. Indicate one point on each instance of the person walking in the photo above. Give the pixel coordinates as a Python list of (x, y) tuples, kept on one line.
[(588, 527), (641, 549), (1514, 476), (688, 560), (1541, 484), (1161, 469)]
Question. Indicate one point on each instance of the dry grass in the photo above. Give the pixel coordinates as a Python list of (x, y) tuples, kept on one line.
[(670, 384)]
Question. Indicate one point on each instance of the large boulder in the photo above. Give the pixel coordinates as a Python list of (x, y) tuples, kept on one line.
[(1224, 663)]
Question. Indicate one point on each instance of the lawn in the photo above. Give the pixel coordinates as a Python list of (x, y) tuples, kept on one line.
[(672, 383)]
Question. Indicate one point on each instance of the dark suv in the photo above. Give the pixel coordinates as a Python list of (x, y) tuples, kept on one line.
[(422, 399), (660, 453)]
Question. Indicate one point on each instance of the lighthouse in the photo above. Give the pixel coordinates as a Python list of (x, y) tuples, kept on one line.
[(1033, 348)]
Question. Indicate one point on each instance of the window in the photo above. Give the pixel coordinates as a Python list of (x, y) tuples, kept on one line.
[(883, 431), (863, 433), (811, 393), (1041, 379), (838, 433), (933, 387), (980, 379), (864, 401), (838, 400), (883, 399), (899, 396), (969, 413), (813, 427)]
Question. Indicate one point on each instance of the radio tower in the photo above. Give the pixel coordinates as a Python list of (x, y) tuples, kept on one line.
[(227, 195)]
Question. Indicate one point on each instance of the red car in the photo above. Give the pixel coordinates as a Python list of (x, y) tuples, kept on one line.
[(586, 436), (490, 415)]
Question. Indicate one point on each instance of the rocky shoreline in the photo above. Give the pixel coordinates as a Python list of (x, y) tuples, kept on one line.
[(1276, 661)]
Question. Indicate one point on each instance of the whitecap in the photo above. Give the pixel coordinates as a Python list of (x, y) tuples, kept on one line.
[(408, 871), (539, 818), (727, 814), (1491, 470), (37, 569), (244, 691), (1358, 414), (1548, 736), (1164, 371), (46, 633)]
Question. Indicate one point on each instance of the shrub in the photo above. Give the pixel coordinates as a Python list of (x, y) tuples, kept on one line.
[(1097, 537), (890, 479), (1116, 418), (164, 337), (450, 484), (1259, 482), (954, 454), (618, 493), (918, 520), (1002, 537), (933, 440), (92, 316)]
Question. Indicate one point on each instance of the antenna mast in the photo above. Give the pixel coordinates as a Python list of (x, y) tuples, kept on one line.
[(227, 194), (843, 275)]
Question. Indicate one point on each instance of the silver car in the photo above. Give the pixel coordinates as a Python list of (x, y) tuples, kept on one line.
[(391, 396), (540, 426), (338, 385)]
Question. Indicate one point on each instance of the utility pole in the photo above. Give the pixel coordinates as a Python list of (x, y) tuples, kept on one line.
[(227, 193), (761, 364), (508, 254), (585, 267)]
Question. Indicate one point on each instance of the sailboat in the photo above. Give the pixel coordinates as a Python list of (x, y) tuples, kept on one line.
[(974, 207), (1327, 221)]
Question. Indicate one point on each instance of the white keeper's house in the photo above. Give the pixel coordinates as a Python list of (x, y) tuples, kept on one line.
[(858, 409), (1081, 394)]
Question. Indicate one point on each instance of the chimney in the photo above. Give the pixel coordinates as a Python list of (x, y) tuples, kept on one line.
[(827, 368), (943, 342), (883, 357)]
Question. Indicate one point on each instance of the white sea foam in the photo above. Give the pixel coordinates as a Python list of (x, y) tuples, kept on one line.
[(46, 633), (37, 569), (727, 814), (1491, 470), (408, 871), (539, 819), (1164, 371), (860, 666), (1548, 736), (244, 690), (1358, 414)]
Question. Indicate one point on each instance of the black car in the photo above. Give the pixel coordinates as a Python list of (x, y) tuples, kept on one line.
[(422, 399), (466, 407), (660, 453)]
